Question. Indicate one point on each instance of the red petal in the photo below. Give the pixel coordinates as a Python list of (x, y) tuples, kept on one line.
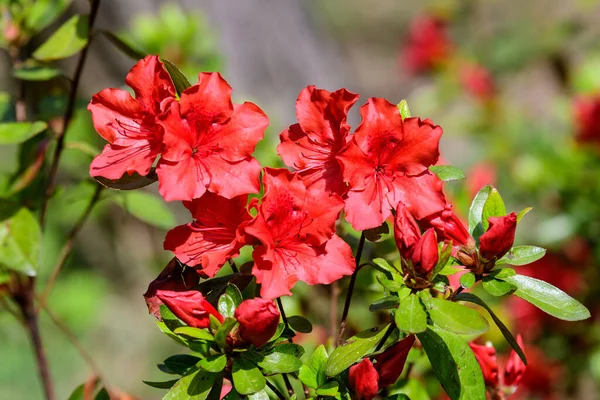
[(179, 136), (486, 357), (115, 161), (208, 101), (422, 194), (183, 180), (363, 379), (231, 179), (151, 83), (391, 362), (113, 108), (419, 147), (499, 238), (406, 230)]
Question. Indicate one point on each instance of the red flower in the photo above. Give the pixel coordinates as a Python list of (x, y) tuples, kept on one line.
[(129, 124), (258, 319), (208, 143), (478, 81), (213, 237), (363, 380), (514, 369), (486, 357), (499, 237), (586, 112), (427, 45), (406, 230), (425, 255), (295, 227), (447, 226), (312, 145), (190, 307), (386, 162), (391, 362)]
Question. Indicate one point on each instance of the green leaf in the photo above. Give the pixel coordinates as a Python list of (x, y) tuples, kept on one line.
[(299, 324), (195, 385), (181, 363), (213, 363), (522, 213), (312, 373), (450, 270), (500, 273), (548, 298), (161, 385), (282, 359), (470, 297), (260, 395), (235, 294), (476, 211), (411, 316), (354, 349), (126, 48), (467, 280), (330, 389), (384, 266), (454, 364), (36, 73), (447, 173), (493, 207), (522, 255), (457, 318), (147, 208), (68, 40), (404, 110), (223, 331), (390, 285), (42, 13), (375, 234), (399, 396), (496, 287), (20, 237), (385, 303), (226, 305), (18, 132), (102, 395), (128, 182), (195, 333), (247, 378), (179, 80)]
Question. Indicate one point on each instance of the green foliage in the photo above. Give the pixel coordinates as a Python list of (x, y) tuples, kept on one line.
[(68, 40), (447, 172), (457, 318), (147, 208), (475, 218), (179, 80), (283, 358), (467, 280), (20, 237), (404, 110), (35, 72), (522, 255), (493, 207), (18, 132), (385, 303), (194, 385), (411, 316), (247, 378), (213, 363), (299, 324), (313, 372), (497, 287)]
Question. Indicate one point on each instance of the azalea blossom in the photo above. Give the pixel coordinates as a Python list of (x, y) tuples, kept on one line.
[(427, 45), (586, 113), (311, 145), (258, 319), (387, 162), (129, 124), (499, 237), (190, 306), (213, 237), (295, 227), (208, 143)]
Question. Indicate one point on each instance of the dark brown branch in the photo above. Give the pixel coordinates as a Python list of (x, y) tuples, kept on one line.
[(359, 250)]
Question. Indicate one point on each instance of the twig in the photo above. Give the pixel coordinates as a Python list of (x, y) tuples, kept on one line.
[(60, 141), (274, 390), (68, 246), (288, 384), (234, 267), (385, 337), (282, 311), (359, 250)]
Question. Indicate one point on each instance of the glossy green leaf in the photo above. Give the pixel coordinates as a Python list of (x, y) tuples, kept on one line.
[(312, 373), (102, 395), (522, 213), (413, 388), (179, 80), (457, 318), (493, 207), (497, 287), (454, 364), (36, 73), (226, 305), (162, 385), (404, 110), (330, 389), (385, 303), (223, 331), (181, 363), (195, 333), (260, 395), (388, 284), (500, 273), (354, 349), (470, 297), (548, 298), (522, 255), (20, 237), (411, 316), (467, 280), (399, 396), (147, 207), (476, 211), (195, 385), (68, 40), (384, 266), (18, 132), (283, 358), (299, 324), (213, 363), (41, 13), (247, 378), (447, 173), (126, 48)]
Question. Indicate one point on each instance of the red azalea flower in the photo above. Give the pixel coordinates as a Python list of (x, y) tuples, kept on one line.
[(191, 307), (586, 112), (209, 142), (363, 378), (448, 226), (406, 230), (499, 237), (391, 362), (386, 162), (427, 45), (478, 82), (295, 227), (486, 357), (311, 145), (213, 237), (258, 319), (129, 124)]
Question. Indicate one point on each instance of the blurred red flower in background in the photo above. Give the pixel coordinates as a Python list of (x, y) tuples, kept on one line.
[(586, 113), (427, 45)]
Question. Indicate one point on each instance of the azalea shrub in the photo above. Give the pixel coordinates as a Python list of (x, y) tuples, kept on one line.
[(372, 205)]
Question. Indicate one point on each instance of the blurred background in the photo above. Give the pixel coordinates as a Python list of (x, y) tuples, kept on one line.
[(514, 84)]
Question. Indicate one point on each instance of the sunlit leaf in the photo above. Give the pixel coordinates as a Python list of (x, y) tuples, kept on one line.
[(68, 40)]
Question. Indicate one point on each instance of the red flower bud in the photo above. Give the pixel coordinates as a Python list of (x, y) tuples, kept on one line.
[(190, 307), (406, 230), (586, 112), (486, 357), (425, 253), (258, 319), (447, 226), (515, 369), (499, 238), (363, 380), (391, 362)]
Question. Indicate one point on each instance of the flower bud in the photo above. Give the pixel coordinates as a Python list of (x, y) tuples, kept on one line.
[(391, 362), (515, 369), (406, 230), (447, 226), (499, 238), (363, 380), (486, 357), (258, 319), (190, 307), (425, 253)]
